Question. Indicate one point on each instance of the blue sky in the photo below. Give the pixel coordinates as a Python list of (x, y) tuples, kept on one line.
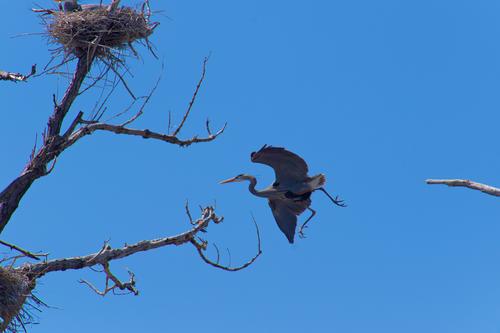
[(378, 95)]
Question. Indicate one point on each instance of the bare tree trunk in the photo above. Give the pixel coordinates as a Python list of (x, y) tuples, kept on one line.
[(53, 145)]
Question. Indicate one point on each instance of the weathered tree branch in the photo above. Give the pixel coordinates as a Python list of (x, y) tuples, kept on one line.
[(108, 254), (117, 284), (146, 134), (466, 183), (104, 256), (55, 142), (17, 77)]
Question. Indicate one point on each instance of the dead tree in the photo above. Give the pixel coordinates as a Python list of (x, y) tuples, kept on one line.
[(86, 37)]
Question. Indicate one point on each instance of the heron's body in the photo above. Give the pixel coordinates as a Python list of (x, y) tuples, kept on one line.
[(278, 191), (290, 194)]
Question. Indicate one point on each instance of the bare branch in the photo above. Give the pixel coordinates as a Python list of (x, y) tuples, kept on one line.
[(54, 143), (35, 256), (122, 79), (17, 77), (117, 284), (146, 134), (201, 247), (466, 183), (193, 99), (146, 101), (108, 254)]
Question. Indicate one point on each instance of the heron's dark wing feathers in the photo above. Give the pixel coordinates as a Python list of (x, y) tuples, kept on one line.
[(285, 213), (284, 216), (288, 167)]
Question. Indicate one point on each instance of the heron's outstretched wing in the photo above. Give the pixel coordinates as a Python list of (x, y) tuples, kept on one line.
[(288, 167), (285, 213)]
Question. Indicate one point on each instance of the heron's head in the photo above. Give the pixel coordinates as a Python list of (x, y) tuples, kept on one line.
[(239, 178)]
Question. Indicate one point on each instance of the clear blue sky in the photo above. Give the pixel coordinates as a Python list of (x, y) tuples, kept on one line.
[(378, 95)]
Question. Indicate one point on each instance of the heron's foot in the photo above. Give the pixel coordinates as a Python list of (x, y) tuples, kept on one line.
[(301, 231), (339, 202)]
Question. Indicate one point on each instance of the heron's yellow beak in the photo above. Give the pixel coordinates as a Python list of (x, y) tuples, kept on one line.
[(230, 180)]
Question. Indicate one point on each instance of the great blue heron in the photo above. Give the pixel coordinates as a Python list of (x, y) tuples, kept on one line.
[(74, 6), (290, 194)]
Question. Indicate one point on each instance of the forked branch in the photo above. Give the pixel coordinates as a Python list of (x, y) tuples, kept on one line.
[(128, 287), (107, 254), (55, 141)]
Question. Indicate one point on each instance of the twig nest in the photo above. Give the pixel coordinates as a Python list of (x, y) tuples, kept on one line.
[(15, 288), (99, 30)]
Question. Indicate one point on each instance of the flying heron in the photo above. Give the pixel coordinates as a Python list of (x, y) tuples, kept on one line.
[(73, 6), (290, 194)]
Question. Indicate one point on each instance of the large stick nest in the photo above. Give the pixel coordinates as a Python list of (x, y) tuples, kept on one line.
[(15, 297), (99, 30)]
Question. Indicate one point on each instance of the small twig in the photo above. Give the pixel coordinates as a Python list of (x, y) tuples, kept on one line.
[(35, 256), (193, 98), (466, 183), (146, 101), (229, 256), (169, 122), (33, 151), (112, 67), (208, 127), (95, 80), (200, 248), (218, 253), (188, 213)]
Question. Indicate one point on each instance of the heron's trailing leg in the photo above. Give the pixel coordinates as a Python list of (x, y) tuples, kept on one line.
[(303, 226), (335, 200)]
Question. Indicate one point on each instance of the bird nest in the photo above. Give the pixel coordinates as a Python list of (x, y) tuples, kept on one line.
[(99, 31), (15, 292)]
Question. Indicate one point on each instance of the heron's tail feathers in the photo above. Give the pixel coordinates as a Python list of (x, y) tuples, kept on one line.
[(317, 181)]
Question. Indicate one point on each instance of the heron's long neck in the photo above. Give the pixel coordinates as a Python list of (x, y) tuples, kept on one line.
[(251, 186)]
